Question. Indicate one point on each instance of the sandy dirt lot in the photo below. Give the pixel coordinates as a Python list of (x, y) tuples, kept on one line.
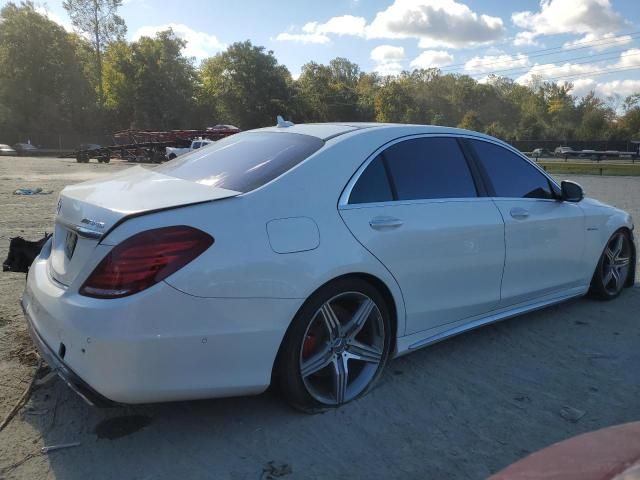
[(461, 409)]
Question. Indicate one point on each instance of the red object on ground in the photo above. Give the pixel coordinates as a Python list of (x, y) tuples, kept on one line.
[(612, 453)]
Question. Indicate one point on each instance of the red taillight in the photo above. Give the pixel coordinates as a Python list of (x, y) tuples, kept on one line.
[(144, 260)]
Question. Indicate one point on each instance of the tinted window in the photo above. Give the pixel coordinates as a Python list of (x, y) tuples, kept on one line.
[(373, 185), (511, 175), (429, 168), (244, 161)]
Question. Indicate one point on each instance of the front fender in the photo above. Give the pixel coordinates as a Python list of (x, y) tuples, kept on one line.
[(601, 222)]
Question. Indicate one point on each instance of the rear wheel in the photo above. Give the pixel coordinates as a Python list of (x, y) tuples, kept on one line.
[(613, 267), (336, 346)]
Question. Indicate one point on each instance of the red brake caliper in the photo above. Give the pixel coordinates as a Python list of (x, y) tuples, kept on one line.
[(309, 345)]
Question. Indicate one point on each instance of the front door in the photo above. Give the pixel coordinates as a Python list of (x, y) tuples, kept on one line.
[(544, 236), (416, 208)]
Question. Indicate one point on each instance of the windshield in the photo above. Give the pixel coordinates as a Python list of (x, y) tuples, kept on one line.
[(244, 161)]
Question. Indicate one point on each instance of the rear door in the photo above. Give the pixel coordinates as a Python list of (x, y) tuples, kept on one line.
[(417, 208), (544, 236)]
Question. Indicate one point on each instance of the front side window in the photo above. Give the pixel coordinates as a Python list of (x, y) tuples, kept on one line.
[(511, 175), (420, 168), (244, 161)]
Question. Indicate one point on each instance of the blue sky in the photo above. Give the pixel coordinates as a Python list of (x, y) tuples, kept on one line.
[(476, 37)]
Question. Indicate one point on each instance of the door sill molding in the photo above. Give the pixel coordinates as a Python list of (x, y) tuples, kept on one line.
[(497, 316)]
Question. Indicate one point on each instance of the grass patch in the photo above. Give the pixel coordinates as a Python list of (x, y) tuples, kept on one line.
[(592, 168)]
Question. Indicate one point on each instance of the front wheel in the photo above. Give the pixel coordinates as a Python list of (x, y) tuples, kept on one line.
[(613, 267), (336, 346)]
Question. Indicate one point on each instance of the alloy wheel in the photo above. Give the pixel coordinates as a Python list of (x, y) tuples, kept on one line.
[(342, 348), (617, 260)]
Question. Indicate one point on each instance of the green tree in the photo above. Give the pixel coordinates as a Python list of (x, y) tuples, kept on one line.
[(245, 85), (470, 121), (42, 83), (100, 21), (150, 83)]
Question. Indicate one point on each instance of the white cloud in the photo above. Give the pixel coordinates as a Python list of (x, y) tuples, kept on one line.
[(316, 32), (63, 22), (344, 25), (550, 71), (386, 53), (388, 58), (583, 86), (599, 42), (623, 88), (303, 37), (435, 23), (389, 68), (199, 44), (628, 59), (432, 59), (444, 23), (567, 16), (492, 63), (525, 38)]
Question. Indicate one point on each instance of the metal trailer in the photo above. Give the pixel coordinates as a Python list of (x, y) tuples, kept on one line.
[(602, 154), (147, 146)]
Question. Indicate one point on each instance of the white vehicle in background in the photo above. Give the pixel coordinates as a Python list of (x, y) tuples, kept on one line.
[(173, 152), (7, 150)]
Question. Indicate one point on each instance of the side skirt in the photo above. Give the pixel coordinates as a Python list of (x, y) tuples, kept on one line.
[(413, 342)]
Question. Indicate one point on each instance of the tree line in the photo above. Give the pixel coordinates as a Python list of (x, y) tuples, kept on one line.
[(68, 83)]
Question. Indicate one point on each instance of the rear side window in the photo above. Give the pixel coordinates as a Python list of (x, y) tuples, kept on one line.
[(511, 175), (373, 185), (244, 161), (429, 168)]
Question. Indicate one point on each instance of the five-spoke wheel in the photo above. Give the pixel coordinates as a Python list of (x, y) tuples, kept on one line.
[(336, 346), (613, 268)]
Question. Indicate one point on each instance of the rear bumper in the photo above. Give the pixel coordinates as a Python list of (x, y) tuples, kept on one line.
[(69, 377), (156, 346)]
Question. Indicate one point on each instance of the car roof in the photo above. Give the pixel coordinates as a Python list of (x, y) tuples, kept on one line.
[(326, 131)]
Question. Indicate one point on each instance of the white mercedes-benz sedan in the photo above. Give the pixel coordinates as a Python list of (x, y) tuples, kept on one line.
[(310, 255)]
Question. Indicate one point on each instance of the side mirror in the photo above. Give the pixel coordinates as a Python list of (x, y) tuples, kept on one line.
[(571, 191)]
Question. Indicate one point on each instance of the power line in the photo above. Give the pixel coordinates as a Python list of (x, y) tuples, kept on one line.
[(558, 50), (551, 66), (594, 73)]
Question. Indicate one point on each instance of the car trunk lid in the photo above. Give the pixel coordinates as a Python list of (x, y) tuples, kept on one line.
[(87, 211)]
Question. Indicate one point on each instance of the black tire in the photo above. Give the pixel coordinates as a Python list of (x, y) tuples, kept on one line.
[(298, 391), (605, 285), (171, 156)]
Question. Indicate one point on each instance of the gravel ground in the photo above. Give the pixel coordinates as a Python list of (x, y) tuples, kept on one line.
[(463, 408)]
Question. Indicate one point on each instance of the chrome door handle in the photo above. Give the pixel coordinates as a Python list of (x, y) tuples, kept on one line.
[(382, 223), (519, 213)]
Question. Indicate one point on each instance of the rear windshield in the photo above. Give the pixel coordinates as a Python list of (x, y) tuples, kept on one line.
[(244, 161)]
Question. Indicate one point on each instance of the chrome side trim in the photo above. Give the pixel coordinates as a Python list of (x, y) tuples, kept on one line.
[(81, 230), (513, 312)]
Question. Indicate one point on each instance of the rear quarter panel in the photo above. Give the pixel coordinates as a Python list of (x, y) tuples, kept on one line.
[(242, 262)]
